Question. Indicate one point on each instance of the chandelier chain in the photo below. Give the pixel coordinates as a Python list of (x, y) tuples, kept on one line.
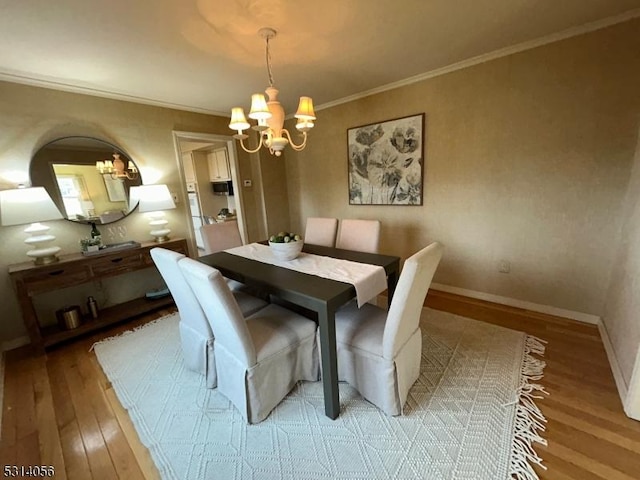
[(268, 55)]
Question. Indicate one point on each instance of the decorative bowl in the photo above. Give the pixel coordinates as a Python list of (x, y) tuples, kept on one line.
[(286, 251)]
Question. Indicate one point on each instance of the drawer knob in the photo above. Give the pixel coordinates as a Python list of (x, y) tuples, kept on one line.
[(116, 260), (56, 272)]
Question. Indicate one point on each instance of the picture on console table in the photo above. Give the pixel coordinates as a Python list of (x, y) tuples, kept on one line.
[(386, 162)]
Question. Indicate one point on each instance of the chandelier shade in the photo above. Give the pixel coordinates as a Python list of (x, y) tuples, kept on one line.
[(269, 115), (116, 168)]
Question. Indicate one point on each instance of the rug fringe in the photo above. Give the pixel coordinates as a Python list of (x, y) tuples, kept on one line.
[(129, 332), (529, 420)]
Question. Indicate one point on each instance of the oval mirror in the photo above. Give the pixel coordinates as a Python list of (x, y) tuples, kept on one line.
[(88, 179)]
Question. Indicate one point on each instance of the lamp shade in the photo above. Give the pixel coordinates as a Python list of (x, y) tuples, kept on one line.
[(238, 120), (259, 109), (305, 109), (152, 198), (20, 206)]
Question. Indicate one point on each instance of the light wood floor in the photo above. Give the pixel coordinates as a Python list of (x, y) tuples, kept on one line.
[(60, 410)]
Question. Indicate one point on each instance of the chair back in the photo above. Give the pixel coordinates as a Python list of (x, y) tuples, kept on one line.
[(408, 299), (359, 235), (220, 236), (189, 308), (321, 231), (222, 310)]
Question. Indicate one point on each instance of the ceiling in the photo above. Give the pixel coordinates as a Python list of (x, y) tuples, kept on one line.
[(206, 55)]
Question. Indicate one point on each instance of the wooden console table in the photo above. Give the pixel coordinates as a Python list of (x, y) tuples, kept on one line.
[(75, 269)]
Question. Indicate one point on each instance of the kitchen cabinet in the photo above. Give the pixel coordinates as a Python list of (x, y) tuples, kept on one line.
[(219, 170), (187, 165)]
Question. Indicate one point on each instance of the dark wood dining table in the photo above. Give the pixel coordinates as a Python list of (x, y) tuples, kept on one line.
[(316, 294)]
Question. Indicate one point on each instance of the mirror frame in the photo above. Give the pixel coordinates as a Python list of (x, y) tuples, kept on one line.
[(42, 173)]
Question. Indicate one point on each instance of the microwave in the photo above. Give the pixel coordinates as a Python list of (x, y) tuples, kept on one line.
[(222, 188)]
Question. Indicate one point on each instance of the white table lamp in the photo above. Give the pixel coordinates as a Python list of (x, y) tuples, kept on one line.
[(32, 205), (154, 199)]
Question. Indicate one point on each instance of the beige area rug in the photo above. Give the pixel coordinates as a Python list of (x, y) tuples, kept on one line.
[(471, 414)]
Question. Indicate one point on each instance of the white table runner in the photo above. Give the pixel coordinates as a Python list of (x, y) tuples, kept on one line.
[(369, 280)]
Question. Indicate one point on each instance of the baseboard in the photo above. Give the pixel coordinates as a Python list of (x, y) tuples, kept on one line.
[(512, 302), (15, 343), (623, 389), (631, 402)]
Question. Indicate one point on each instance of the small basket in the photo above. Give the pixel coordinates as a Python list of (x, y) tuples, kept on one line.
[(286, 251)]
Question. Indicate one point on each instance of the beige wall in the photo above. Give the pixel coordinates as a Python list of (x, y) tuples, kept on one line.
[(31, 117), (622, 312), (527, 159)]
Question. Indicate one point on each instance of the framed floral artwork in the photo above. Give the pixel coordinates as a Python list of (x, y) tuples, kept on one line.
[(115, 188), (386, 162)]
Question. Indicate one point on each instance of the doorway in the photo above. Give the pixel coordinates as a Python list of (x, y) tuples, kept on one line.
[(210, 176)]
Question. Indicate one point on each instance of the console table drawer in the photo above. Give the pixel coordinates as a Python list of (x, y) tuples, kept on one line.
[(115, 265), (55, 278)]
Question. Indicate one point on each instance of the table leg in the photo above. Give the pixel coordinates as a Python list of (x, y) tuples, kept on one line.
[(327, 325), (392, 281)]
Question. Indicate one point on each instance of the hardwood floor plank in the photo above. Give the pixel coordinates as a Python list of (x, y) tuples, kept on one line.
[(25, 421), (27, 450), (611, 420), (593, 427), (559, 468), (73, 451), (141, 453), (49, 438), (122, 457), (604, 470), (76, 464), (95, 446)]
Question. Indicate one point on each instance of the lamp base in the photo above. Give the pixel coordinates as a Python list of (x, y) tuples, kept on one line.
[(42, 254), (162, 239), (44, 259), (158, 226)]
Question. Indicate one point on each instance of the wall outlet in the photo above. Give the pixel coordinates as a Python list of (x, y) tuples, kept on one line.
[(504, 266)]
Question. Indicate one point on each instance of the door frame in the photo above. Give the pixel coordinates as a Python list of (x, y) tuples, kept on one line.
[(179, 136)]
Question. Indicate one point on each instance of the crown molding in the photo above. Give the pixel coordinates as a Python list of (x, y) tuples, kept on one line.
[(95, 92), (487, 57)]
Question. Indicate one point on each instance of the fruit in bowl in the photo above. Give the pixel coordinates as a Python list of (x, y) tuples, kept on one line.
[(286, 245)]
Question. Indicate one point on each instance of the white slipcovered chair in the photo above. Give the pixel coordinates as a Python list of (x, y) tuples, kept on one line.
[(379, 352), (220, 236), (196, 335), (321, 231), (259, 358), (359, 235)]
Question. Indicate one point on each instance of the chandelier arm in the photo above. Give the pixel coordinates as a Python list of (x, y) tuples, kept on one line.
[(249, 150), (297, 148)]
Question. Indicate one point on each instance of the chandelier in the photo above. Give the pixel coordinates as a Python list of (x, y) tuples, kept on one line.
[(116, 168), (270, 115)]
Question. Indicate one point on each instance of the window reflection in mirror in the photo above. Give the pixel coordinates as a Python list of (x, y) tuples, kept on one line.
[(67, 169)]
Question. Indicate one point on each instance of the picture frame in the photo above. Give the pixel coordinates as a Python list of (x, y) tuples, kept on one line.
[(386, 162), (115, 188)]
